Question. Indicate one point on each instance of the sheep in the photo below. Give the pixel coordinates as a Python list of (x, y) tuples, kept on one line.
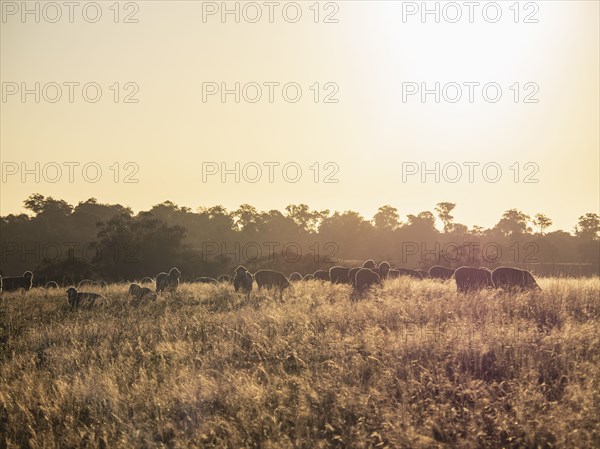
[(168, 282), (242, 281), (352, 275), (139, 292), (205, 280), (339, 275), (470, 278), (12, 284), (424, 273), (383, 269), (514, 278), (397, 272), (365, 278), (82, 298), (370, 264), (439, 272), (308, 277), (321, 275), (51, 284), (295, 277), (147, 280), (225, 279), (270, 278)]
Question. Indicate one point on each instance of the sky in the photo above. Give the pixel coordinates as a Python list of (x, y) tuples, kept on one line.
[(330, 108)]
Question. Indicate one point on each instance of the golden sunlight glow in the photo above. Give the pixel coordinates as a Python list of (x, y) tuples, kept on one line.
[(371, 59)]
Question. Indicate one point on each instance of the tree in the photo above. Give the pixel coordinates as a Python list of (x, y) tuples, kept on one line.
[(513, 223), (424, 219), (247, 218), (39, 205), (477, 230), (386, 218), (168, 211), (306, 219), (221, 218), (132, 247), (542, 222), (588, 226), (443, 210)]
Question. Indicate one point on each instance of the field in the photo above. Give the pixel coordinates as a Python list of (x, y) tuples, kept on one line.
[(412, 365)]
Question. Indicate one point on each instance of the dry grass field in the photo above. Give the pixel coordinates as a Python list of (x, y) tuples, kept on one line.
[(412, 365)]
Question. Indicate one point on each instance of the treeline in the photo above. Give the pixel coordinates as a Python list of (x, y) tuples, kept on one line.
[(59, 241)]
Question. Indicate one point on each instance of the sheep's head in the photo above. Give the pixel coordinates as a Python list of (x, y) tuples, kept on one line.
[(240, 269), (369, 264), (28, 275), (72, 295), (384, 268), (133, 289), (174, 273)]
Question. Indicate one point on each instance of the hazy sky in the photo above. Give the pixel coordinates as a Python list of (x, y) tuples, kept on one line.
[(371, 137)]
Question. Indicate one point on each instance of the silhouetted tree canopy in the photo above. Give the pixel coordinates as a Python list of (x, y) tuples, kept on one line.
[(110, 242)]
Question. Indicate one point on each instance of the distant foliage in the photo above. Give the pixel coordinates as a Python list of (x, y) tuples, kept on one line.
[(67, 243)]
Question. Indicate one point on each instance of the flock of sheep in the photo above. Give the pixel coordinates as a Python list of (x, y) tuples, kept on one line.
[(360, 278)]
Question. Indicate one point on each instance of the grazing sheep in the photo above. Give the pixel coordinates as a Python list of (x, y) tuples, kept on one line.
[(147, 280), (51, 284), (321, 275), (370, 264), (383, 269), (242, 281), (514, 278), (339, 275), (308, 277), (13, 284), (82, 298), (161, 281), (295, 277), (397, 272), (469, 278), (424, 274), (439, 272), (205, 280), (366, 278), (168, 282), (139, 292), (352, 275), (91, 283), (270, 278), (225, 279)]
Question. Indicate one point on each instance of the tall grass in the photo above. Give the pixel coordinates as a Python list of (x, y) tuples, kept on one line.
[(413, 364)]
